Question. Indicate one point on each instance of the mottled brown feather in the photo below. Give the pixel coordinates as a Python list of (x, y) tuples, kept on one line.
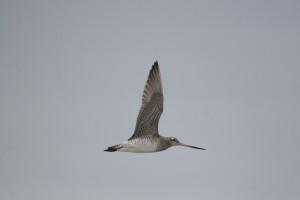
[(152, 105)]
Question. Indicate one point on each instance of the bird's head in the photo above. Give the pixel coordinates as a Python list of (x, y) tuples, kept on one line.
[(175, 142)]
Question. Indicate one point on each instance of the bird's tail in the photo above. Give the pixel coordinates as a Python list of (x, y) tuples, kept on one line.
[(113, 148)]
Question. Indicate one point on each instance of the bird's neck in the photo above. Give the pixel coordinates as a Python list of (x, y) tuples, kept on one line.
[(163, 144)]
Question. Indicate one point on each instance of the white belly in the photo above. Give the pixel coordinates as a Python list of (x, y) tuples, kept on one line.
[(139, 146)]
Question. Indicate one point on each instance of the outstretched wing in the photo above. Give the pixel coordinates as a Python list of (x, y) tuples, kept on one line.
[(152, 105)]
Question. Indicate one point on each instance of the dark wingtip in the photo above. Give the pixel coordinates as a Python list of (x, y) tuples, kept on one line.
[(155, 68), (110, 149)]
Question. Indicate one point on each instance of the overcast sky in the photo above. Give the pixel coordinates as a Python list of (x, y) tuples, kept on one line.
[(71, 81)]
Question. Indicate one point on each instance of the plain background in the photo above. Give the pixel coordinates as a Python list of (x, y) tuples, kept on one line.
[(71, 81)]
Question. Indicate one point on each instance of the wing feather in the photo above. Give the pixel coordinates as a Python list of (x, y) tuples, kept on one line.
[(152, 105)]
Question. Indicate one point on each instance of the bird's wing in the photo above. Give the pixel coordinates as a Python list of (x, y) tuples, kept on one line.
[(152, 105)]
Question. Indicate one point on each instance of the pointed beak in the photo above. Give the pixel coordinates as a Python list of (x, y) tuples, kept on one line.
[(185, 145)]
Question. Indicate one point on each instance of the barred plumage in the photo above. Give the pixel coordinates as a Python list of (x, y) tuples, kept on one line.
[(146, 138), (152, 105)]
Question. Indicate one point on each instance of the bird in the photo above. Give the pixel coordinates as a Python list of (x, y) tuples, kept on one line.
[(146, 138)]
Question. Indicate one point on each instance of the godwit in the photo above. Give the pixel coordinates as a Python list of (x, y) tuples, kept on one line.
[(146, 138)]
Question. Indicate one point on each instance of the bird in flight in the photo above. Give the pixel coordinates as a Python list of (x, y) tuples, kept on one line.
[(146, 138)]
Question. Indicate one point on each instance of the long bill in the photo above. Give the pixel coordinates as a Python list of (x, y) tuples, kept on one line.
[(185, 145)]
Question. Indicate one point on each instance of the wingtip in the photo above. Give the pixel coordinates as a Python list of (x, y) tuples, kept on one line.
[(155, 67), (111, 149)]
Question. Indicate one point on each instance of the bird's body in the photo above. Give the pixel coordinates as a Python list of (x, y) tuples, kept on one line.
[(146, 138), (140, 145)]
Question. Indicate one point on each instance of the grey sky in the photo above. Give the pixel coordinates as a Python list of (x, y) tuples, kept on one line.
[(71, 80)]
